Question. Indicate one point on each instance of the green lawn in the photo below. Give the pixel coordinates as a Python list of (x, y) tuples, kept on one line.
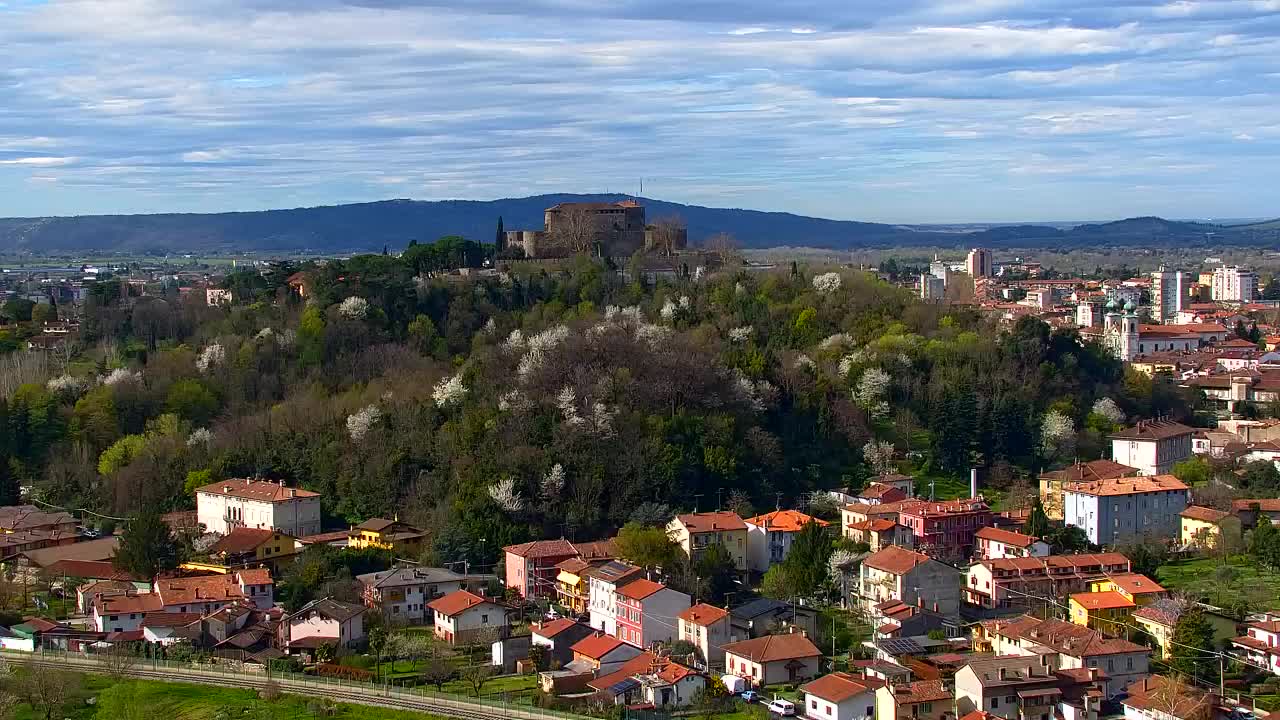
[(1223, 582), (505, 684), (148, 699)]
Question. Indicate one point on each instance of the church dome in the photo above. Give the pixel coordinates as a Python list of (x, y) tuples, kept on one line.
[(1130, 307)]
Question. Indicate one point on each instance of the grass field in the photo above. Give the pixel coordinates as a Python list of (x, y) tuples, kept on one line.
[(138, 699), (1223, 582)]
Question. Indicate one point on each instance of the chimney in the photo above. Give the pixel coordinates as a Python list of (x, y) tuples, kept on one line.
[(293, 493), (973, 482), (1001, 673)]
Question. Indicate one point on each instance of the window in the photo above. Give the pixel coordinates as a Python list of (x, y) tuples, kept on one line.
[(1128, 663), (484, 619), (995, 703), (813, 704), (925, 707), (828, 709)]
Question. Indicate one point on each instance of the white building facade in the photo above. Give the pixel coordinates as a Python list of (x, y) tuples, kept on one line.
[(1124, 509), (223, 506), (1232, 283)]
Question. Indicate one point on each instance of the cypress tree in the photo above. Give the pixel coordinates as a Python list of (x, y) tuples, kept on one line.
[(500, 238)]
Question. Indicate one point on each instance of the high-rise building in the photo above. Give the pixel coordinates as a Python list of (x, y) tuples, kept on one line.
[(1234, 284), (1169, 291), (979, 263), (932, 287)]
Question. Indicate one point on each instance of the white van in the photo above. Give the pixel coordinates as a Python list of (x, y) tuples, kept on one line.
[(785, 708)]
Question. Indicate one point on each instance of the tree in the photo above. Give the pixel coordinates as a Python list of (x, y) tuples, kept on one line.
[(438, 671), (573, 228), (476, 676), (45, 688), (807, 562), (1067, 539), (668, 234), (500, 237), (724, 247), (147, 547), (1145, 556), (192, 401), (1037, 521), (777, 583), (648, 547), (1193, 642), (1193, 471)]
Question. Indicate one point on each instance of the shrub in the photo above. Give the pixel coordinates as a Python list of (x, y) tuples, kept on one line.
[(342, 671)]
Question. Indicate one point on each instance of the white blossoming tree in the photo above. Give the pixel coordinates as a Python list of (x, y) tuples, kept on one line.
[(740, 334), (553, 483), (200, 437), (449, 391), (120, 376), (354, 308), (506, 496), (879, 456), (1057, 435), (872, 391), (827, 283), (360, 423), (1109, 410), (67, 387), (211, 357)]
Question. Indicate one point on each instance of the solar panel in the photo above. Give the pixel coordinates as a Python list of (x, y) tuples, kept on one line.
[(901, 646)]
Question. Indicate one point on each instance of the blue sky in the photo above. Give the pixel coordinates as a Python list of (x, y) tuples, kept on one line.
[(887, 110)]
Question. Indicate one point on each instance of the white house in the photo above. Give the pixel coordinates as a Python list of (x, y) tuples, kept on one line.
[(896, 573), (325, 621), (123, 613), (602, 593), (773, 659), (991, 543), (170, 628), (706, 627), (1260, 645), (462, 615), (402, 593), (1152, 446), (226, 505), (841, 696), (769, 537), (1123, 509)]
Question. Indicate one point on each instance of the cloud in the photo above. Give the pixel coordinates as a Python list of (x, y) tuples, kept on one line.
[(39, 161)]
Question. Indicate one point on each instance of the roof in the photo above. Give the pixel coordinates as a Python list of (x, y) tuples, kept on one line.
[(874, 525), (409, 575), (711, 522), (596, 550), (1008, 537), (457, 602), (116, 604), (784, 521), (1136, 584), (573, 566), (1082, 560), (981, 715), (88, 570), (1102, 600), (554, 627), (30, 517), (623, 678), (1164, 611), (1204, 514), (613, 571), (538, 549), (241, 540), (895, 559), (1153, 430), (1010, 670), (597, 646), (947, 507), (164, 619), (703, 615), (1127, 485), (774, 648), (375, 524), (254, 576), (100, 549), (326, 538), (921, 691), (1062, 637), (206, 588), (1264, 504), (330, 608), (640, 589), (838, 687), (883, 493), (259, 490), (1157, 692)]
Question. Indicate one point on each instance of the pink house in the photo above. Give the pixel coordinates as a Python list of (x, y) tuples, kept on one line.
[(649, 612), (531, 566), (324, 622)]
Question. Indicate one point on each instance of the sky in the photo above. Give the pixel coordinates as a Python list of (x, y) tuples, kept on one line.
[(885, 110)]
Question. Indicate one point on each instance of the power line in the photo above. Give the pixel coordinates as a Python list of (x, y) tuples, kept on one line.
[(79, 510)]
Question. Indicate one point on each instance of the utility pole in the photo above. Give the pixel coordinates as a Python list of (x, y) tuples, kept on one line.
[(777, 501), (718, 491), (696, 497)]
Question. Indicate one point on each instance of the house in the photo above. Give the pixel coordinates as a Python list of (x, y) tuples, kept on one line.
[(463, 617), (1111, 601), (769, 536), (17, 518), (877, 494), (100, 550), (324, 622), (572, 588), (123, 613), (602, 654), (841, 696), (1025, 688), (402, 593), (1152, 446), (695, 532), (919, 700), (245, 546), (996, 543), (765, 616), (901, 620), (648, 680), (706, 627), (1250, 510), (878, 533), (1124, 509), (647, 612), (913, 578), (1160, 698), (223, 506), (773, 659), (1260, 645), (208, 593), (1207, 528), (1066, 646), (602, 593), (531, 566), (1020, 582), (903, 483), (398, 537), (1161, 617), (860, 511), (946, 529), (559, 636), (164, 628)]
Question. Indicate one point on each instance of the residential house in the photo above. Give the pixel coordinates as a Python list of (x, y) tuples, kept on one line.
[(602, 593), (879, 533), (38, 558), (1052, 483), (1111, 601), (245, 546), (860, 511), (706, 627), (946, 529), (913, 578), (903, 483), (205, 594), (463, 617), (324, 622), (1124, 509), (19, 518), (1249, 510), (647, 612), (572, 587), (1025, 688), (402, 593), (559, 636), (996, 543), (602, 654), (769, 536), (648, 680), (695, 532), (226, 505), (919, 700), (841, 696), (1152, 446), (900, 620), (1160, 618), (1021, 582), (1066, 646), (1160, 698), (773, 659), (765, 616), (877, 494), (123, 613), (1207, 528), (531, 567), (398, 537), (164, 628), (1260, 645)]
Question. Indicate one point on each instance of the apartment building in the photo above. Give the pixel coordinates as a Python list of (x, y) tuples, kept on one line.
[(1016, 582), (223, 506), (946, 529), (1125, 509), (1152, 446)]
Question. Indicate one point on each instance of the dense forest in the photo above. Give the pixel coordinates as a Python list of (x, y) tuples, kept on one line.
[(546, 401)]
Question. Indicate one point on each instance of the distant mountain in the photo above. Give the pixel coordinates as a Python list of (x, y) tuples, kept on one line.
[(393, 223)]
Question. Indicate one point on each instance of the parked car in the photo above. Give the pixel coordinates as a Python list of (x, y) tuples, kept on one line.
[(750, 696), (785, 708)]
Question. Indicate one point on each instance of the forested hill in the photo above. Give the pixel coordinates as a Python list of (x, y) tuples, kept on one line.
[(370, 226)]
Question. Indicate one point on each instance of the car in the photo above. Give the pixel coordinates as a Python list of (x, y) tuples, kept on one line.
[(785, 708), (750, 696)]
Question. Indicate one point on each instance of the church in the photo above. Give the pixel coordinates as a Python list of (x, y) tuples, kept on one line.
[(1127, 339)]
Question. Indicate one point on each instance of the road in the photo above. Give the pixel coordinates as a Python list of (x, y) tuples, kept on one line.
[(357, 694)]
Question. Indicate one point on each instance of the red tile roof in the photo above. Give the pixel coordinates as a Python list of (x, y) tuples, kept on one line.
[(1204, 514), (208, 588), (703, 614), (241, 540), (773, 648), (554, 627), (1127, 485), (1264, 504), (784, 521), (711, 522), (640, 589), (1102, 600), (1153, 430), (542, 549), (259, 490), (596, 646), (838, 687), (895, 559), (1008, 537), (456, 602), (883, 493), (88, 570), (920, 691), (1136, 584), (876, 525)]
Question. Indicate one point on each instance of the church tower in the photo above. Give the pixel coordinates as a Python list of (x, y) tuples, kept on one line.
[(1129, 332)]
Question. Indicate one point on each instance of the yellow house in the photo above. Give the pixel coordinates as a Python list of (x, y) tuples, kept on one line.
[(572, 590), (1204, 527), (248, 547), (695, 532), (1161, 617), (1110, 602), (385, 534)]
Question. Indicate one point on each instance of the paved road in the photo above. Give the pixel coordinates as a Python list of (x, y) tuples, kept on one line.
[(368, 695)]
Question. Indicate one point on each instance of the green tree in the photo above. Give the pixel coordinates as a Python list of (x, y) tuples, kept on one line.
[(192, 401), (121, 453), (777, 583), (1145, 556), (1037, 521), (147, 547), (1264, 542), (1194, 652), (1193, 471), (1067, 539), (806, 563), (648, 547)]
